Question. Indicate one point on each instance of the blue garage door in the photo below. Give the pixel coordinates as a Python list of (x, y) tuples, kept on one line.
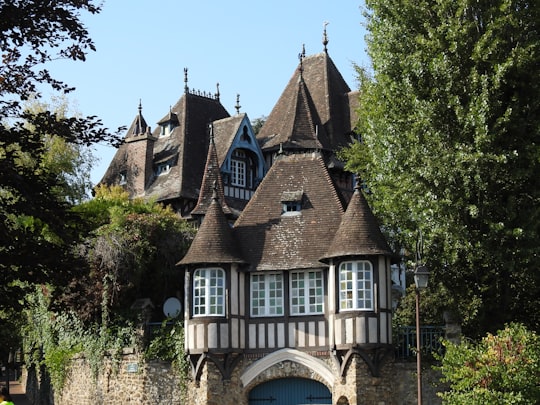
[(290, 391)]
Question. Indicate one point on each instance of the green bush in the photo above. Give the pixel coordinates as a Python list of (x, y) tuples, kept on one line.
[(500, 369)]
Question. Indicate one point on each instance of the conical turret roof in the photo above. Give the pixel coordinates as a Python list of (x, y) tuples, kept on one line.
[(211, 182), (358, 233), (215, 241)]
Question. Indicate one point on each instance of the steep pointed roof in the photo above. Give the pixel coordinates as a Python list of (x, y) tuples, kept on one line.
[(271, 240), (184, 147), (224, 133), (138, 130), (358, 233), (139, 125), (211, 182), (214, 242), (329, 105)]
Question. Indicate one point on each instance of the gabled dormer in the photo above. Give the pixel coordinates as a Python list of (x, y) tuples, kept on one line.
[(168, 124), (242, 160)]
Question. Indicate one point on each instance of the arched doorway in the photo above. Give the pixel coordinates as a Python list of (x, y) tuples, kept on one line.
[(290, 391)]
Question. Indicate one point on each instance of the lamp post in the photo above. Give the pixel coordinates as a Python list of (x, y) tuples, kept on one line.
[(421, 276)]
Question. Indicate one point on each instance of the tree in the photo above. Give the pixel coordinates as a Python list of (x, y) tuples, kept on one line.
[(450, 125), (131, 253), (500, 369), (72, 162), (37, 226)]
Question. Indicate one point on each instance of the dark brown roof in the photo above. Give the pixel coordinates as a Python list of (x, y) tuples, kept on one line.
[(211, 182), (120, 162), (185, 146), (358, 233), (138, 126), (272, 241), (214, 241), (328, 102), (224, 133)]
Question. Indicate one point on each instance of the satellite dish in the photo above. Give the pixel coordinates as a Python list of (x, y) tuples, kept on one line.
[(172, 307)]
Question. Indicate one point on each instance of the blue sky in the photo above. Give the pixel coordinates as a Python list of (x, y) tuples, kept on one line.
[(249, 47)]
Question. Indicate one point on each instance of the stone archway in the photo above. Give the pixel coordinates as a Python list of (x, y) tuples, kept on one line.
[(292, 355)]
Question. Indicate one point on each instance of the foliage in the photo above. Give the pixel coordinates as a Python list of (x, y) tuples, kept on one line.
[(167, 344), (54, 338), (166, 341), (258, 123), (35, 32), (500, 369), (132, 254), (450, 129), (37, 227), (430, 310), (70, 161)]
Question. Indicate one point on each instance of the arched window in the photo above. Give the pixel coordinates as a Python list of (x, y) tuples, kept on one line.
[(209, 292), (356, 285)]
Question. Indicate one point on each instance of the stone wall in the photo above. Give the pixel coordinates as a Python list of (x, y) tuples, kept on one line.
[(131, 381), (136, 382), (396, 385)]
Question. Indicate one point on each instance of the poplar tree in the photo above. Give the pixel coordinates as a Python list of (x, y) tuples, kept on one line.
[(450, 127)]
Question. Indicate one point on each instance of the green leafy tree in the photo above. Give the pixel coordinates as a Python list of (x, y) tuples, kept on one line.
[(72, 162), (37, 226), (131, 254), (450, 126), (500, 369)]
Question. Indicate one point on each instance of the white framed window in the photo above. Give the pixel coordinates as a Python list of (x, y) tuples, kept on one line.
[(291, 207), (267, 294), (166, 128), (356, 285), (238, 168), (209, 292), (307, 292), (163, 168)]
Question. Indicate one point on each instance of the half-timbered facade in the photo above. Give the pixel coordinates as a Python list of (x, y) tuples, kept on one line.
[(299, 278), (293, 303), (287, 284)]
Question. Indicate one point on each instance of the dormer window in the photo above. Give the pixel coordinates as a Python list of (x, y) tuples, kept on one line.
[(122, 177), (163, 168), (291, 202), (167, 128), (238, 168)]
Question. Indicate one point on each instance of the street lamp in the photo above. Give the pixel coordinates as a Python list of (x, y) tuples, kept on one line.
[(421, 277)]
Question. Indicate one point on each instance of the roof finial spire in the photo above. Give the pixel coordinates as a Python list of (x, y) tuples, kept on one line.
[(140, 106), (237, 106), (211, 128), (186, 88), (301, 57), (217, 91), (325, 37)]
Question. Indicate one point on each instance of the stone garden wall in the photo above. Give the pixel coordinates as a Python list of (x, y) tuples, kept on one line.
[(136, 382)]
